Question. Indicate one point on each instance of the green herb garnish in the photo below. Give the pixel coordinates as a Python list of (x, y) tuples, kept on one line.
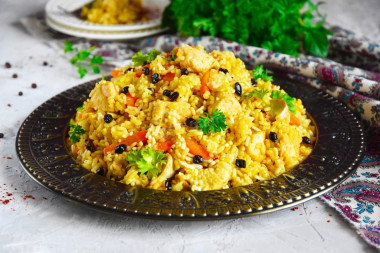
[(259, 73), (80, 59), (146, 161), (215, 122), (258, 93), (140, 59), (80, 108), (281, 26), (75, 131), (276, 94)]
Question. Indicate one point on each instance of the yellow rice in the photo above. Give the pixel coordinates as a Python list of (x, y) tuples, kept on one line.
[(246, 136)]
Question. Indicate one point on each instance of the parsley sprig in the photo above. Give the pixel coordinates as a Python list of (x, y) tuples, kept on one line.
[(75, 131), (281, 26), (276, 94), (140, 59), (147, 161), (259, 73), (215, 122), (80, 59), (258, 93)]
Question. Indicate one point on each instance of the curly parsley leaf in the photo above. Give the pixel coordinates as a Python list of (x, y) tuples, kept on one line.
[(258, 93), (276, 94), (147, 161), (75, 131), (140, 59), (215, 122), (68, 46), (259, 73)]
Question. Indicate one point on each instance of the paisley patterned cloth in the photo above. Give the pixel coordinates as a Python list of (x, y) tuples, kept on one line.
[(351, 73)]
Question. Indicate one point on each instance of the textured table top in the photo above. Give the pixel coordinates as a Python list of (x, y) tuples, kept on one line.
[(37, 220)]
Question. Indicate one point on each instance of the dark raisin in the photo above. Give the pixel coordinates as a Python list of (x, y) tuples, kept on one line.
[(20, 93), (253, 81), (108, 118), (184, 72), (197, 159), (120, 148), (273, 136), (89, 145), (168, 184), (225, 71), (34, 85), (238, 89), (306, 140), (173, 97), (155, 78), (125, 90), (166, 93), (14, 75), (191, 122), (129, 69), (100, 171), (1, 135), (45, 63), (240, 163), (8, 65), (145, 70)]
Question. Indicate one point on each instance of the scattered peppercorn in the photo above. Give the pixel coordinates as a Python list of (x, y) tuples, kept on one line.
[(120, 148), (100, 171), (155, 78), (14, 75), (108, 118), (145, 70), (166, 93), (273, 136), (253, 81), (240, 163), (8, 65), (45, 63), (9, 105), (129, 69), (238, 89), (184, 72), (89, 145), (20, 93), (306, 140), (191, 122), (225, 71), (197, 159), (125, 90), (173, 97), (1, 135), (34, 85), (168, 184)]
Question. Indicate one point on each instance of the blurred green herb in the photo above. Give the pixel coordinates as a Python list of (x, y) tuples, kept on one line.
[(259, 73), (258, 93), (283, 26), (140, 59), (81, 57)]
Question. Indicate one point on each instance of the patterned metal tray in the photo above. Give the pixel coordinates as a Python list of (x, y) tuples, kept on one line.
[(340, 146)]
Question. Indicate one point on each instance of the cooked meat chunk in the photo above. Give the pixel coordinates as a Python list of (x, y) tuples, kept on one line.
[(164, 111), (256, 146), (195, 59), (102, 96)]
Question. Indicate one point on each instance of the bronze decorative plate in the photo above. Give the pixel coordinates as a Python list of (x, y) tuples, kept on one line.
[(340, 146)]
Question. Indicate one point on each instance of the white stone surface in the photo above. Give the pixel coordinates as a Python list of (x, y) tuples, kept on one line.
[(50, 223)]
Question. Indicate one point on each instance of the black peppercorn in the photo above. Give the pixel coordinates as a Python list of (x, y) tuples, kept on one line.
[(145, 70), (191, 122), (238, 89), (125, 90), (8, 65), (155, 78), (173, 97), (197, 159), (120, 148), (273, 136), (240, 163), (166, 93), (100, 171), (184, 72), (108, 118), (306, 140)]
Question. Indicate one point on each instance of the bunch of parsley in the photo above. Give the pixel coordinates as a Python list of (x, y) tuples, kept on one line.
[(280, 25)]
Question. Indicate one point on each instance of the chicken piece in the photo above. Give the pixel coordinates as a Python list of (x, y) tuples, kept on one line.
[(256, 146), (289, 147), (162, 109), (195, 59), (207, 179), (103, 96), (227, 103), (159, 182)]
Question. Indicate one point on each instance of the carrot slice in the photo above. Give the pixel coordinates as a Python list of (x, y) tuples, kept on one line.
[(168, 77), (139, 71), (137, 137), (204, 82), (116, 73), (294, 120), (196, 149), (164, 145), (131, 100)]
